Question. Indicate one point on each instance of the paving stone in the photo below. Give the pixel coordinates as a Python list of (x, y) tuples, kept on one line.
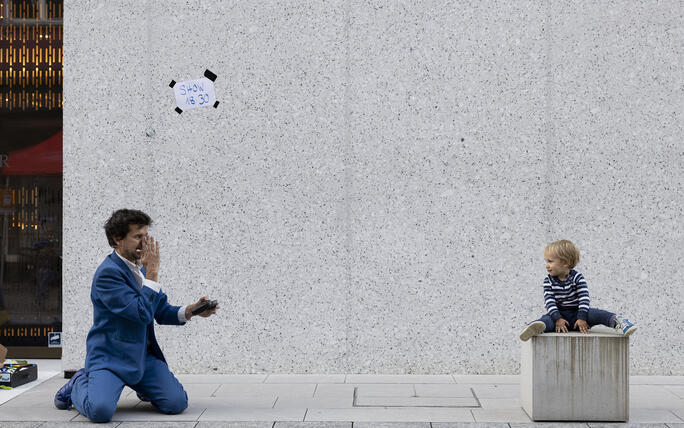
[(248, 414), (144, 412), (36, 414), (653, 397), (675, 425), (624, 425), (679, 412), (292, 390), (351, 378), (156, 425), (71, 424), (549, 425), (220, 378), (500, 403), (218, 424), (500, 415), (392, 414), (316, 402), (391, 425), (305, 378), (496, 391), (416, 401), (20, 424), (677, 390), (334, 390), (493, 379), (312, 425), (662, 416), (445, 390), (469, 425), (250, 402), (656, 380), (201, 389), (385, 390)]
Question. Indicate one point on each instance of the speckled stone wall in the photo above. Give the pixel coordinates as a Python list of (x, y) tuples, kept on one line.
[(376, 187)]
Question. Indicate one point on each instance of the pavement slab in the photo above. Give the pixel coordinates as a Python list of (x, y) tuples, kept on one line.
[(549, 425), (392, 425), (21, 424), (470, 425), (500, 415), (305, 378), (252, 414), (663, 416), (317, 402), (677, 390), (391, 414), (144, 412), (495, 379), (35, 414), (155, 425), (625, 425), (220, 424), (313, 425), (679, 412), (386, 390), (352, 378), (656, 380), (291, 390), (496, 391), (362, 401), (201, 389), (500, 403), (443, 390), (221, 378), (653, 397)]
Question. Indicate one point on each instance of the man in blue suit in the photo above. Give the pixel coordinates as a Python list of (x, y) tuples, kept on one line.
[(121, 346)]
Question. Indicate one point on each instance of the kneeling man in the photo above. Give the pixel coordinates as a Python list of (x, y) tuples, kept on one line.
[(121, 346)]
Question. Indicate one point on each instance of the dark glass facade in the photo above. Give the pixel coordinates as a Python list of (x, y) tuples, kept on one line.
[(30, 176)]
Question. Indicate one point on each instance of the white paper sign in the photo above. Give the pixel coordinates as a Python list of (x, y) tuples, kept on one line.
[(194, 93)]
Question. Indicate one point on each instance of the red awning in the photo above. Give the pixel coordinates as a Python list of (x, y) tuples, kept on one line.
[(44, 158)]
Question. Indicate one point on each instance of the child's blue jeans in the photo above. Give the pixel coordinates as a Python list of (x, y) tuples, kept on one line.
[(594, 317)]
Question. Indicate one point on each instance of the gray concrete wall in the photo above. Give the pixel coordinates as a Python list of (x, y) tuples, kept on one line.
[(375, 190)]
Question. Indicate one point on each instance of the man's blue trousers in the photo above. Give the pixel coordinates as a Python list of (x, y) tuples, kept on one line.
[(96, 393)]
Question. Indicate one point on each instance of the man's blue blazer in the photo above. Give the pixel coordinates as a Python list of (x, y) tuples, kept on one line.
[(123, 321)]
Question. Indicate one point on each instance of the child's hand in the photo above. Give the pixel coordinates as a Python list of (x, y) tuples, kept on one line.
[(562, 325), (582, 325)]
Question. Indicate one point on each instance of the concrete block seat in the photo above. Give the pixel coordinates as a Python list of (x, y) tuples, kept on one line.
[(575, 377)]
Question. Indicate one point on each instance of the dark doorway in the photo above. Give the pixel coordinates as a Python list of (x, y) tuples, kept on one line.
[(31, 177)]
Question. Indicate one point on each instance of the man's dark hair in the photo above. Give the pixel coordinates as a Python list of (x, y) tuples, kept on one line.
[(119, 223)]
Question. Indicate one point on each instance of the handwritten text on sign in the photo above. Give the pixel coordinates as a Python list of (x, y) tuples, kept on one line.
[(194, 93)]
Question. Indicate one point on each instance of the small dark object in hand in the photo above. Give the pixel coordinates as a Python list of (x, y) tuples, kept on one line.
[(204, 307)]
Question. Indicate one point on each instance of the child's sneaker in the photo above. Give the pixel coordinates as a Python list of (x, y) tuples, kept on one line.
[(532, 329), (624, 326)]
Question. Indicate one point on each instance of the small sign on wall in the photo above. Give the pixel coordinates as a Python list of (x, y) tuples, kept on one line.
[(55, 339), (196, 93)]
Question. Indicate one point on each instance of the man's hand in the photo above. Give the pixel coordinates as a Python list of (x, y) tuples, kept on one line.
[(562, 325), (205, 314), (150, 258), (582, 325)]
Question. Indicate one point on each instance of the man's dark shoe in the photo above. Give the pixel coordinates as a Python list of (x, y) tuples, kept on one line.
[(63, 396), (143, 397)]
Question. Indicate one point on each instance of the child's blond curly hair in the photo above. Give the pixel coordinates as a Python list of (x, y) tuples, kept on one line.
[(564, 250)]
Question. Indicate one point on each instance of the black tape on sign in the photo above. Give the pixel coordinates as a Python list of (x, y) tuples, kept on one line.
[(172, 84), (209, 75), (178, 109), (216, 104)]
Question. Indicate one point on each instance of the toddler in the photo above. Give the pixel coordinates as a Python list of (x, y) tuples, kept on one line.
[(567, 298)]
